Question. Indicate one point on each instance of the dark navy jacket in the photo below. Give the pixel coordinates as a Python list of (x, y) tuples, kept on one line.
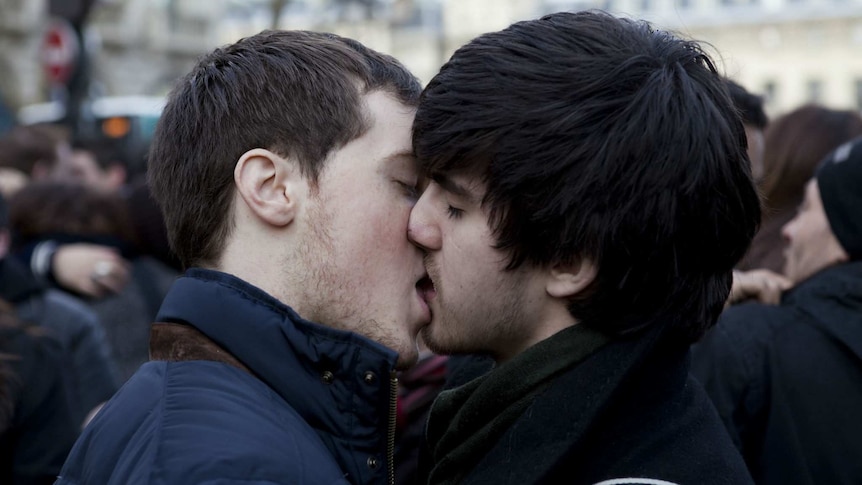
[(310, 408), (787, 380)]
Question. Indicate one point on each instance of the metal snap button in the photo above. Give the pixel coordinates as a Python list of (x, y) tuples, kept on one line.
[(369, 377), (328, 377), (372, 463)]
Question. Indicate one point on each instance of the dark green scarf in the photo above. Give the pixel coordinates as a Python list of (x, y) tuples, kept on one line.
[(467, 421)]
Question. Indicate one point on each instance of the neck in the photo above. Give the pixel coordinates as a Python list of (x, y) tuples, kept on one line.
[(259, 265), (554, 319)]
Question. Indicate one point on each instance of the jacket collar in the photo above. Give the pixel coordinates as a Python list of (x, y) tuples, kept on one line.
[(337, 381)]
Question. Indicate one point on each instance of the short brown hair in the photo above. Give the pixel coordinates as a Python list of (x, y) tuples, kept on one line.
[(296, 93)]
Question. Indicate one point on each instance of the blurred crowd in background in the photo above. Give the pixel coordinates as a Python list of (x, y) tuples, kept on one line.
[(84, 260)]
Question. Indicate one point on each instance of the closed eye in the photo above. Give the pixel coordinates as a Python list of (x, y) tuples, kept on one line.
[(454, 212)]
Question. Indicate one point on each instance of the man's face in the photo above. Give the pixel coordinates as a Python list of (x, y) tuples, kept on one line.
[(81, 167), (812, 245), (754, 137), (361, 271), (477, 305)]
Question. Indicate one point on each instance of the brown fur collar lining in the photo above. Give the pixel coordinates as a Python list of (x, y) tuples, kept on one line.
[(174, 342)]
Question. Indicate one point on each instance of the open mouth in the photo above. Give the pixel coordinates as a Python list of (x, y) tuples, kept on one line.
[(426, 289)]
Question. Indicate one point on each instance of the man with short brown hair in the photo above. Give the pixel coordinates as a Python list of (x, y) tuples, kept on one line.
[(284, 169)]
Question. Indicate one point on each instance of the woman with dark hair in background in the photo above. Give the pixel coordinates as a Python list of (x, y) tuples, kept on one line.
[(794, 145)]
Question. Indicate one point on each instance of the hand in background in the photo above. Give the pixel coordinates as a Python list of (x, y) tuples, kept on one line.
[(90, 269), (762, 285)]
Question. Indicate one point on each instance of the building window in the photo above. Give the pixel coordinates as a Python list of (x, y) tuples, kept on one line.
[(814, 90)]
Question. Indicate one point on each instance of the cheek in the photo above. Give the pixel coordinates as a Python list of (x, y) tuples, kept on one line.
[(388, 226), (378, 243)]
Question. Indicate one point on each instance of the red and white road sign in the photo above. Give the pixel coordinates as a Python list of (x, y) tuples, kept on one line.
[(60, 48)]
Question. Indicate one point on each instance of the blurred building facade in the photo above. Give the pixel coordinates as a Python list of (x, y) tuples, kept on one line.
[(792, 51), (133, 46)]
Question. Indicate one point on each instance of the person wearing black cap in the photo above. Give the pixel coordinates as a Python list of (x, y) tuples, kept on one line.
[(787, 379)]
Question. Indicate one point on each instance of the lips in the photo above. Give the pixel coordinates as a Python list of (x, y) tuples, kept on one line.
[(426, 288)]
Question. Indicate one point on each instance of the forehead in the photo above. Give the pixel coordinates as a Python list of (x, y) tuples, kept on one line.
[(389, 122), (384, 146), (398, 161)]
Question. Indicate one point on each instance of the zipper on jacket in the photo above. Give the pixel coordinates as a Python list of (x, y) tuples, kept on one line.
[(390, 431)]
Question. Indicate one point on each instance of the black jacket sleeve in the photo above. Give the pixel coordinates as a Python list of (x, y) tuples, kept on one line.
[(731, 362)]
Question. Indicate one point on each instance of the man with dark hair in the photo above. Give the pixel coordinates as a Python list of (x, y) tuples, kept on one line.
[(283, 166), (590, 194), (787, 379), (754, 119)]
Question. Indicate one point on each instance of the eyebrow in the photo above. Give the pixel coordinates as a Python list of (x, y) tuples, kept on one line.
[(451, 186)]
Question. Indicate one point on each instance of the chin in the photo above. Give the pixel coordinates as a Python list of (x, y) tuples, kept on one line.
[(407, 360), (437, 345)]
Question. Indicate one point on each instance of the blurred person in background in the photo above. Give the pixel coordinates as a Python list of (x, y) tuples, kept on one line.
[(93, 162), (41, 153), (794, 144), (65, 318), (29, 153), (74, 213), (753, 284), (754, 120), (787, 379), (37, 424)]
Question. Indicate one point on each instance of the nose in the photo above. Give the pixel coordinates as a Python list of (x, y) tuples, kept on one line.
[(422, 228)]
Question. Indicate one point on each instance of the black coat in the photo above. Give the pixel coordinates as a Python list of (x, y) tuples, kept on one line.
[(787, 380), (630, 410), (37, 424), (73, 325)]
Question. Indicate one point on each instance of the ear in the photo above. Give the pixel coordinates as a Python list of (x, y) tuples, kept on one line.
[(268, 184), (567, 280)]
